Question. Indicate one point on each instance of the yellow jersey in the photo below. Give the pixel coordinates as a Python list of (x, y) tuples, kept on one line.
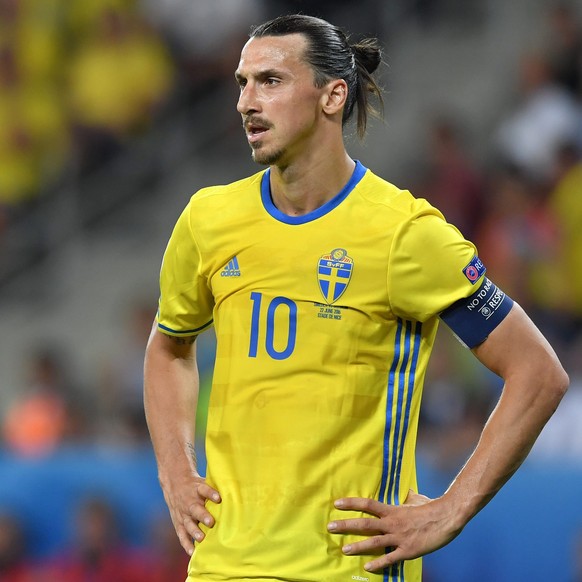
[(324, 324)]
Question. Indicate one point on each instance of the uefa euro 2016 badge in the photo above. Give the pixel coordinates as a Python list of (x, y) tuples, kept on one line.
[(334, 272)]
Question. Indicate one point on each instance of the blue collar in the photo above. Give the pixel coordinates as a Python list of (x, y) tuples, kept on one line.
[(357, 175)]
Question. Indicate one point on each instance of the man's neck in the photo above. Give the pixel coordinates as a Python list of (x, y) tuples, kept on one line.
[(302, 187)]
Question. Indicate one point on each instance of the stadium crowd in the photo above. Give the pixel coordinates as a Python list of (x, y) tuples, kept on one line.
[(80, 80)]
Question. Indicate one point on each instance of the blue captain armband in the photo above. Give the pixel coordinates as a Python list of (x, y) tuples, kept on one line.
[(474, 318)]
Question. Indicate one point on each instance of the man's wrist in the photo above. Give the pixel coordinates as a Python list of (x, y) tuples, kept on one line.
[(180, 469), (458, 508)]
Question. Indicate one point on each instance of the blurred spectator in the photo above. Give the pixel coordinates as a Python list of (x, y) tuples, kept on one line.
[(33, 131), (565, 47), (517, 238), (33, 126), (451, 181), (565, 201), (49, 413), (118, 76), (457, 399), (35, 29), (83, 18), (546, 116), (121, 411), (206, 36), (97, 552), (14, 564), (167, 561), (443, 407)]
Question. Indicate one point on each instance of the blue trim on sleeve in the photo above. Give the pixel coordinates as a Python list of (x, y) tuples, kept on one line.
[(357, 175), (474, 318), (185, 332)]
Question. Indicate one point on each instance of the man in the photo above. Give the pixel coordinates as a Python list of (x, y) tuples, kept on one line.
[(325, 285)]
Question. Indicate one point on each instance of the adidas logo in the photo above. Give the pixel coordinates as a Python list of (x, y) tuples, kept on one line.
[(231, 269)]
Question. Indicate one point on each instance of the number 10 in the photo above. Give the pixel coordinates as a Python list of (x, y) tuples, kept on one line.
[(274, 304)]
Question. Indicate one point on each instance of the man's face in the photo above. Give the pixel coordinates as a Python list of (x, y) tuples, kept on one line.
[(279, 102)]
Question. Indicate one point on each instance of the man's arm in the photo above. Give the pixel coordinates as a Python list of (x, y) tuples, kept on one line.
[(534, 385), (170, 399)]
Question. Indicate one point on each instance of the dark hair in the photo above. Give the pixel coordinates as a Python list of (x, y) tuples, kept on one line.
[(332, 57)]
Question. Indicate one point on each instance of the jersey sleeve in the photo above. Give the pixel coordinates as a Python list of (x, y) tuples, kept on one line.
[(186, 303), (431, 267)]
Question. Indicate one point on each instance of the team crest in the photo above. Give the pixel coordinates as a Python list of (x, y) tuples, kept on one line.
[(334, 272)]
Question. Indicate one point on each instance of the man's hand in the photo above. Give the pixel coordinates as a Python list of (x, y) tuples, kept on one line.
[(186, 501), (418, 527)]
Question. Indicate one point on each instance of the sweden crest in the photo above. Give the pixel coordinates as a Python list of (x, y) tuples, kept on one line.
[(334, 272)]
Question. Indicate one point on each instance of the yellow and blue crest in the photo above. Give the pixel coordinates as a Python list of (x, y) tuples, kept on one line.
[(334, 272)]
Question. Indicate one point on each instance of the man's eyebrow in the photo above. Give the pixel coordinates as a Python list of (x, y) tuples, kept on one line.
[(269, 73), (259, 75)]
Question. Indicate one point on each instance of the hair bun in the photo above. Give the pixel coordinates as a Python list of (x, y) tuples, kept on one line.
[(368, 54)]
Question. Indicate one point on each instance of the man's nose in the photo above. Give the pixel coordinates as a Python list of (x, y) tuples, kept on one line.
[(247, 101)]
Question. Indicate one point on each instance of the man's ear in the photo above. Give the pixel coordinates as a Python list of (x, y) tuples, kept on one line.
[(335, 96)]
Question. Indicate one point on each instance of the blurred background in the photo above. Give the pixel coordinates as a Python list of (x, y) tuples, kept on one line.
[(113, 112)]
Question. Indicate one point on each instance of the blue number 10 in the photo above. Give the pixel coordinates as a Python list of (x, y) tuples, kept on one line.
[(275, 303)]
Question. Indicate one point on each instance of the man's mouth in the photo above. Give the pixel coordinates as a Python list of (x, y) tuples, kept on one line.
[(255, 130)]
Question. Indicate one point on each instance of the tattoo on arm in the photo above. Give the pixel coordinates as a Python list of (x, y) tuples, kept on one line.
[(192, 451)]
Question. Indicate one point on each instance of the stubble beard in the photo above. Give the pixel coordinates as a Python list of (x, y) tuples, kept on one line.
[(266, 158)]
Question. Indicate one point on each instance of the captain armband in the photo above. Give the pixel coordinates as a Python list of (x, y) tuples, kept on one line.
[(474, 318)]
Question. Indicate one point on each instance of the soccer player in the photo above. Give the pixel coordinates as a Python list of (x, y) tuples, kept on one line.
[(325, 285)]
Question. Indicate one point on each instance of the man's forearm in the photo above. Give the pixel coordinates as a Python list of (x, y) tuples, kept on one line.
[(528, 400), (170, 400), (170, 397)]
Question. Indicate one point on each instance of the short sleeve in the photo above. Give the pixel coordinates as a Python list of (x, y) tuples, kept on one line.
[(431, 266), (186, 303)]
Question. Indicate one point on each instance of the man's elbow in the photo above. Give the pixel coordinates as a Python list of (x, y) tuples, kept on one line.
[(562, 382), (554, 380)]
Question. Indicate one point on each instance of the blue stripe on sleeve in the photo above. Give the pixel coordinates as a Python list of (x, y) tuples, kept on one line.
[(186, 331)]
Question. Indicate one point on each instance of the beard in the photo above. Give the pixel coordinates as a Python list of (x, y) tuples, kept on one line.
[(266, 158)]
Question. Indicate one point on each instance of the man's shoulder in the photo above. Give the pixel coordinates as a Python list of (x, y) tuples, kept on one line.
[(223, 193), (402, 202)]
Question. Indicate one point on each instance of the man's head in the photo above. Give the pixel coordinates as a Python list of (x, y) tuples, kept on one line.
[(298, 74), (331, 56)]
